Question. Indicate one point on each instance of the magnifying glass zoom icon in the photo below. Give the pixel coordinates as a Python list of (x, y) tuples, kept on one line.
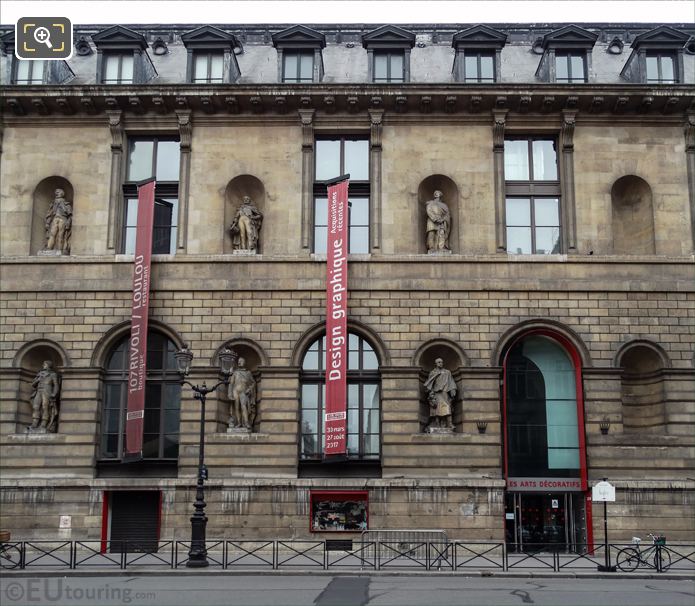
[(43, 36)]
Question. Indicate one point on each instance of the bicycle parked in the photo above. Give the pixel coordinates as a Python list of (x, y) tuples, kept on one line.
[(655, 556), (10, 555)]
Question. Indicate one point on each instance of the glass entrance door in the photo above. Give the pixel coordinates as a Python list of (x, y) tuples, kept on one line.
[(543, 522)]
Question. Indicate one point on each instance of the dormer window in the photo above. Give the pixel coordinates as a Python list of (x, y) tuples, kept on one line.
[(570, 67), (388, 54), (29, 72), (122, 57), (661, 68), (478, 51), (298, 66), (299, 55), (117, 69), (389, 66), (657, 57), (208, 68), (566, 56), (211, 56)]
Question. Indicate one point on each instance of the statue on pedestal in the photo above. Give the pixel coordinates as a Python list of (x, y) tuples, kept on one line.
[(441, 390), (246, 226), (242, 394), (59, 224), (438, 224), (44, 399)]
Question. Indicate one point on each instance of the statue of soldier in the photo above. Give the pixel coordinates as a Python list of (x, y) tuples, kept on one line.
[(242, 393), (441, 390), (44, 398), (59, 224), (246, 226)]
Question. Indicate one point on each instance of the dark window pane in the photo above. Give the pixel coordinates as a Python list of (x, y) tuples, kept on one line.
[(171, 447), (519, 240), (140, 160), (150, 446), (357, 160), (327, 160), (172, 396), (359, 240), (171, 421), (112, 421), (544, 161), (516, 163), (110, 446), (117, 360), (518, 211), (168, 160), (152, 420)]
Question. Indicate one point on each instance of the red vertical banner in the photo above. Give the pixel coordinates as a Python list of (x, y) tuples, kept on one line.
[(337, 246), (140, 304)]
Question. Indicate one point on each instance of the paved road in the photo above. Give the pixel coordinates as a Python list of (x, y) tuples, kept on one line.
[(309, 590)]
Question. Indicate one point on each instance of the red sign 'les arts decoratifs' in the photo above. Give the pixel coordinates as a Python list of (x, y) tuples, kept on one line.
[(335, 422), (137, 361)]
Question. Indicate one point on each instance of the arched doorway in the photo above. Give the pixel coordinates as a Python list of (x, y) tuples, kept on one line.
[(544, 444)]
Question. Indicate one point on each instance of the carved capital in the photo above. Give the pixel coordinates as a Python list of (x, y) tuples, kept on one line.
[(116, 128), (499, 122), (185, 128), (376, 117), (569, 119), (690, 133), (307, 118)]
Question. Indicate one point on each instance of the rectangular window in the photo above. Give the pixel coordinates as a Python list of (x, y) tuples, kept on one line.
[(29, 72), (208, 68), (661, 69), (117, 69), (532, 197), (335, 157), (157, 157), (389, 67), (478, 67), (570, 68), (297, 67)]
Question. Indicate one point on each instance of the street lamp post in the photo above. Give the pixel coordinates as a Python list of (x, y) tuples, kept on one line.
[(198, 555)]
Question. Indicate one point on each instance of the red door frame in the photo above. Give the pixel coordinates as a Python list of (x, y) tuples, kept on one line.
[(571, 350)]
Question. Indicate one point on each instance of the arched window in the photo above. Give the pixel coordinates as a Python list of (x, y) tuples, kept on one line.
[(363, 396), (541, 408), (162, 401)]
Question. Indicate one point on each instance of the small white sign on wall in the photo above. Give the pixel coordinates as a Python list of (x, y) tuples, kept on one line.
[(65, 522), (603, 491), (554, 503)]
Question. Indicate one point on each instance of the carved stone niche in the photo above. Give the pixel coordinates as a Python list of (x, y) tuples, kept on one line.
[(450, 196), (237, 188), (455, 360), (43, 197), (29, 361), (633, 217), (254, 358)]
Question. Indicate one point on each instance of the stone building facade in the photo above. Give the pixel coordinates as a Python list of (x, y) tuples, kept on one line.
[(566, 156)]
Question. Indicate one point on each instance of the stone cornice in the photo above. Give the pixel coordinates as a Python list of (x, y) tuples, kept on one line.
[(265, 100)]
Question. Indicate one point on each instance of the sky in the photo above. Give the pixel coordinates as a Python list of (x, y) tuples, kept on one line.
[(352, 11)]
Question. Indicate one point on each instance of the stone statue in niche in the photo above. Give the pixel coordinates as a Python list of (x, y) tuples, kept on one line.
[(246, 227), (441, 390), (44, 400), (242, 394), (438, 225), (58, 225)]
